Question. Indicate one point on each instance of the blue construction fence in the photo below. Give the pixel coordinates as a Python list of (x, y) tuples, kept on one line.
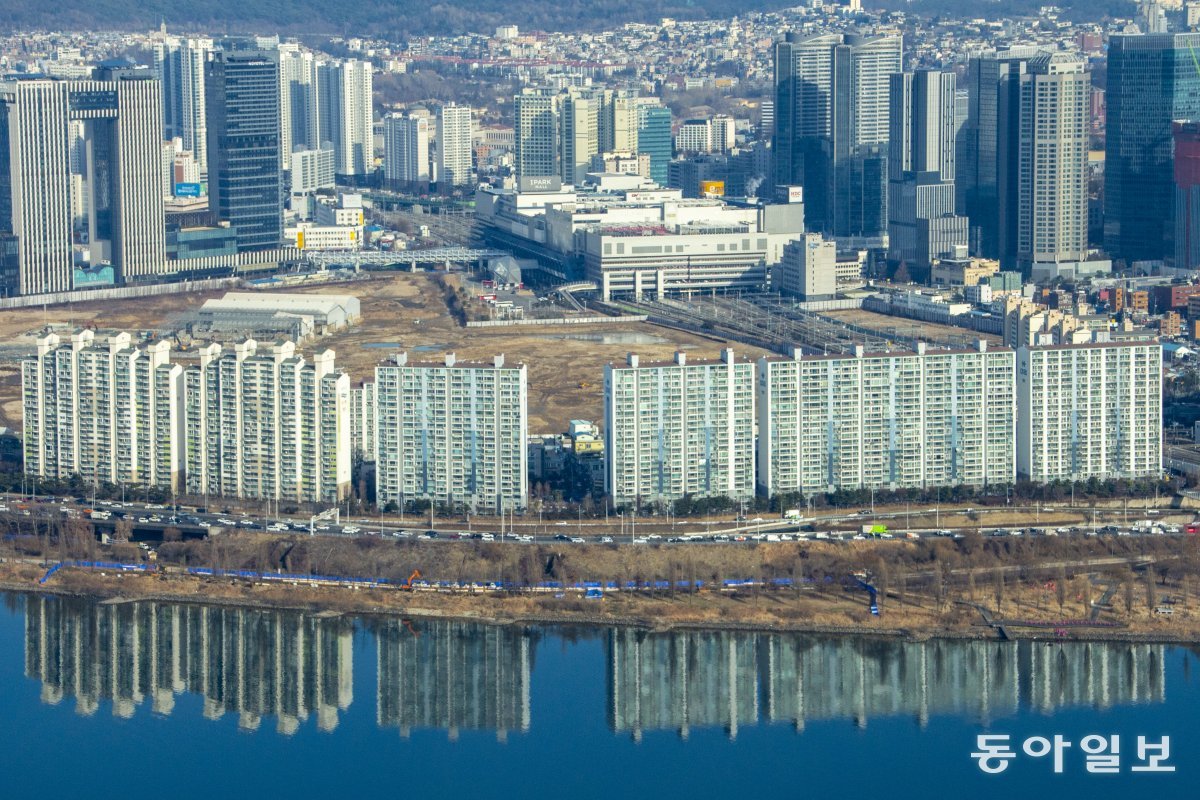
[(589, 587)]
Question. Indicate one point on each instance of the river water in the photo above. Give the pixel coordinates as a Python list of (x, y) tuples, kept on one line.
[(159, 700)]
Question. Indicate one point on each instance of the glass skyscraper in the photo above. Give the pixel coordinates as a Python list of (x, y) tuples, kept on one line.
[(831, 127), (245, 183), (1152, 81), (654, 139)]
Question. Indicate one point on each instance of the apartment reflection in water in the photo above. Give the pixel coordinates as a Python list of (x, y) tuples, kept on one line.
[(453, 676), (686, 680), (253, 663)]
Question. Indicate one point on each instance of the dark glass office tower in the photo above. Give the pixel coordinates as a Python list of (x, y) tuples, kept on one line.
[(245, 183), (1152, 81), (654, 139), (831, 128)]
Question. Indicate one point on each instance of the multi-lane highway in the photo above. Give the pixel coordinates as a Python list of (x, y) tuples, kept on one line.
[(149, 521)]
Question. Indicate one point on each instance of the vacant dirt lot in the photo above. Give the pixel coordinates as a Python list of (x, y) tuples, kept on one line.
[(896, 326), (401, 311)]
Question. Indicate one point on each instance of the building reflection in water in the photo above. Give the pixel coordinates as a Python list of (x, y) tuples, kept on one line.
[(456, 676), (453, 676), (693, 679), (249, 662)]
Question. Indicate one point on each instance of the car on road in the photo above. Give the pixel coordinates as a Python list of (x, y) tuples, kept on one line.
[(351, 529), (606, 540), (431, 534), (864, 512), (577, 539)]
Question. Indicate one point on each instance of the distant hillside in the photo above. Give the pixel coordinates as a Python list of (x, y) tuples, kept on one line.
[(996, 9), (393, 18)]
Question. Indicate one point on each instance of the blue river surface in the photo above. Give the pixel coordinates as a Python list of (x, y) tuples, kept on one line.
[(145, 699)]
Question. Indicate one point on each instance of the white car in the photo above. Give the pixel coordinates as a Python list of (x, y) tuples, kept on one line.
[(577, 539), (606, 540), (351, 529)]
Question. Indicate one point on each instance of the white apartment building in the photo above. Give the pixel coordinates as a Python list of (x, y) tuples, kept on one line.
[(351, 117), (886, 420), (694, 136), (312, 170), (454, 145), (679, 428), (452, 433), (266, 424), (179, 65), (406, 148), (105, 410), (723, 133), (1089, 410), (363, 420)]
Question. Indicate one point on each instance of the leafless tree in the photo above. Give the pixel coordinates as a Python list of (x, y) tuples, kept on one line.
[(998, 588)]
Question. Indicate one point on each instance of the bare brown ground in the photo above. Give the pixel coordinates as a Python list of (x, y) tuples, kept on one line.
[(898, 326), (565, 374)]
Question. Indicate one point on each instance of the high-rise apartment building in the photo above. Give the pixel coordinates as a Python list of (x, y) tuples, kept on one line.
[(266, 424), (579, 116), (245, 183), (1043, 145), (105, 410), (363, 421), (454, 145), (831, 128), (351, 117), (724, 133), (1089, 411), (81, 178), (886, 420), (618, 121), (695, 136), (654, 137), (406, 149), (179, 65), (312, 170), (452, 433), (1152, 81), (676, 429), (921, 158)]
